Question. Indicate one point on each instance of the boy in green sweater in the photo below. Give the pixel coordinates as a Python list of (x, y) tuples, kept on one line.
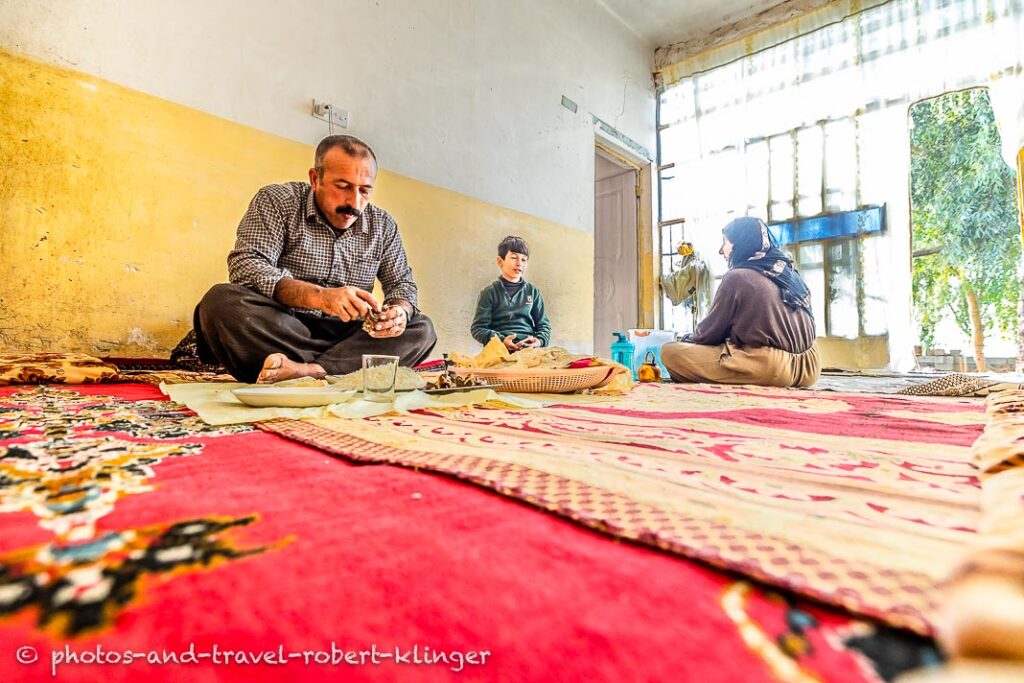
[(511, 307)]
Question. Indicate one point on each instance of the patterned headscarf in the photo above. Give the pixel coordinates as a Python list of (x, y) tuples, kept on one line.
[(754, 248)]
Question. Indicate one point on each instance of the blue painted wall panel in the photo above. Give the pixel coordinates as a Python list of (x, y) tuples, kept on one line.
[(845, 223)]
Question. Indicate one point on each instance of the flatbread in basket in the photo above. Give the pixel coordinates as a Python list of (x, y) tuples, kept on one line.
[(543, 380), (544, 370)]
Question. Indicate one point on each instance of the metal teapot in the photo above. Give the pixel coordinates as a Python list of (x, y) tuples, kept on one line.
[(649, 371)]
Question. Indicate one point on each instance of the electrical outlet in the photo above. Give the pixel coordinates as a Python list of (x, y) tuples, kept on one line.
[(325, 111)]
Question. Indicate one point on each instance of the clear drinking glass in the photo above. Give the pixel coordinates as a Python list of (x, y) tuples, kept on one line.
[(379, 377)]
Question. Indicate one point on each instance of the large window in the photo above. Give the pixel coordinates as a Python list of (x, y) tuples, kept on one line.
[(816, 126), (805, 184), (837, 255)]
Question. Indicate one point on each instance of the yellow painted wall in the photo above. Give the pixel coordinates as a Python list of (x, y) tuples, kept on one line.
[(118, 209), (854, 354)]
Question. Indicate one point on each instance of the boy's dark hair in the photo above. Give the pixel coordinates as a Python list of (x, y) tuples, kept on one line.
[(513, 243)]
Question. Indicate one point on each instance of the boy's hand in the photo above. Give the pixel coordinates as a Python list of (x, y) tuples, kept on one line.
[(510, 343), (530, 342)]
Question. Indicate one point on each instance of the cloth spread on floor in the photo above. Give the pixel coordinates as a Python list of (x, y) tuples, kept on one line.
[(216, 403), (866, 502)]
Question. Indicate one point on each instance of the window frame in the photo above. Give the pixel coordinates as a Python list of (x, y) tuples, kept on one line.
[(672, 230)]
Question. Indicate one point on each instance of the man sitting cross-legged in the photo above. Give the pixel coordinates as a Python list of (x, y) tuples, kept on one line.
[(302, 272)]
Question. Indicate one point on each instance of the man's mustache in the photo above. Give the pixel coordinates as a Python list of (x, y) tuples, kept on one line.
[(346, 210)]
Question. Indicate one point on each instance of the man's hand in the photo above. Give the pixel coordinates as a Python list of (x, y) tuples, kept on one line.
[(348, 303), (530, 342), (510, 343), (391, 324)]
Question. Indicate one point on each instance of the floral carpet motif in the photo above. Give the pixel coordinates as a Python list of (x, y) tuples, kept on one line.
[(861, 501), (53, 368), (67, 459)]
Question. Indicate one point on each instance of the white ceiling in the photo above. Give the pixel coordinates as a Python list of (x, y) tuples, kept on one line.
[(665, 22)]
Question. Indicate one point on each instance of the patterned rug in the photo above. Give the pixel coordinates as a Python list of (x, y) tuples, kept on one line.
[(131, 534), (158, 377), (861, 501), (67, 459), (992, 574), (53, 368), (79, 368), (914, 383), (957, 384)]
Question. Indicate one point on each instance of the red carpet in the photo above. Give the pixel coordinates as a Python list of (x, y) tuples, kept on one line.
[(127, 526)]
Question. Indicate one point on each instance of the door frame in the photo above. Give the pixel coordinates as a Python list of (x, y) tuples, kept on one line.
[(645, 243)]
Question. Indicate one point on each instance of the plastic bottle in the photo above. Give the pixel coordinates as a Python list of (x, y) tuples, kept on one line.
[(622, 352)]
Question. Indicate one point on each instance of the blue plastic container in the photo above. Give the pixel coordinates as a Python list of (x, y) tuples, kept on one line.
[(622, 352)]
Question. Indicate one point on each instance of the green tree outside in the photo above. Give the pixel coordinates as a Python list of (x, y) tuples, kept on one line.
[(966, 237)]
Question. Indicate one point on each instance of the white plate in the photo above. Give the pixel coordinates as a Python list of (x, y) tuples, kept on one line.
[(291, 397)]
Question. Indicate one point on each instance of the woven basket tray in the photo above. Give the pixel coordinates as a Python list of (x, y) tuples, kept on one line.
[(543, 381)]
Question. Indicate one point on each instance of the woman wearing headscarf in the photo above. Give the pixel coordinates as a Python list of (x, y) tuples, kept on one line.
[(760, 329)]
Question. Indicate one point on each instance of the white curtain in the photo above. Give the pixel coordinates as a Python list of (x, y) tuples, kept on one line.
[(897, 53), (1007, 95)]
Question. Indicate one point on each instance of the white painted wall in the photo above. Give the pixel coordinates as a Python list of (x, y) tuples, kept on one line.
[(464, 94)]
